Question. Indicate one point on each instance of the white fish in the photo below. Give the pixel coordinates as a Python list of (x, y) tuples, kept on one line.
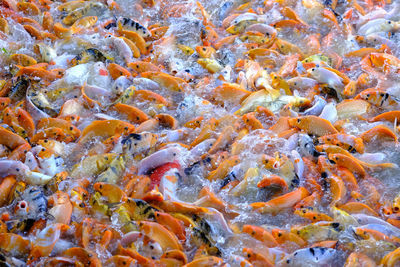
[(51, 165), (214, 215), (169, 184), (244, 17), (63, 60), (318, 106), (77, 75), (364, 219), (329, 112), (328, 77), (37, 178), (144, 83), (292, 142), (12, 167), (172, 135), (94, 91), (120, 84), (158, 158), (378, 13), (21, 170), (97, 77), (378, 25), (306, 146), (301, 83), (262, 28), (123, 49), (31, 161), (316, 256), (202, 148)]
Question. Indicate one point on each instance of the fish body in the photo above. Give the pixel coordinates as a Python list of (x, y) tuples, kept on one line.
[(379, 98), (37, 202), (317, 108), (378, 25), (306, 147), (328, 77), (132, 25), (158, 158), (315, 256)]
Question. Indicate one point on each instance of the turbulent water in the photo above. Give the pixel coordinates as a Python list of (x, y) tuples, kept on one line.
[(199, 133)]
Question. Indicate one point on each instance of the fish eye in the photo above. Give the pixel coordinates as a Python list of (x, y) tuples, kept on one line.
[(389, 22), (312, 69)]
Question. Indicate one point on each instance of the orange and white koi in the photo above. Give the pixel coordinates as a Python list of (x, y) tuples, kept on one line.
[(379, 98)]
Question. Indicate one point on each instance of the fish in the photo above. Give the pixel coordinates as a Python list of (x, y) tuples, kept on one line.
[(311, 257), (139, 143), (36, 200), (79, 12), (199, 133), (306, 147), (131, 25), (158, 158), (301, 83), (379, 98), (328, 77), (19, 88), (378, 25), (88, 55), (317, 108)]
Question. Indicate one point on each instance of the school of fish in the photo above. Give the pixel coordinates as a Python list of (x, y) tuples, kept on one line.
[(199, 133)]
